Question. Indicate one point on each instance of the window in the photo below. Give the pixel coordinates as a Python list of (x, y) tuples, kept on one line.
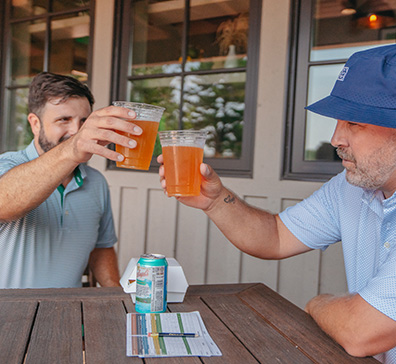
[(198, 59), (324, 34), (50, 35)]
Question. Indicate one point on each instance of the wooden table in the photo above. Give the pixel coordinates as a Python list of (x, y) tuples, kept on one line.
[(250, 323)]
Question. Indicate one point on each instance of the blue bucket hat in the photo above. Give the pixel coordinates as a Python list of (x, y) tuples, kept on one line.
[(365, 90)]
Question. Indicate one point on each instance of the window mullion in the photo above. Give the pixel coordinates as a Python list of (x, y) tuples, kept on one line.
[(184, 58)]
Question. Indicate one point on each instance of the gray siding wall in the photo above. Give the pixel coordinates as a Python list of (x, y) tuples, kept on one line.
[(148, 221)]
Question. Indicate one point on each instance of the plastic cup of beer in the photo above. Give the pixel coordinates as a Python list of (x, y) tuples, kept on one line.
[(148, 118), (183, 153)]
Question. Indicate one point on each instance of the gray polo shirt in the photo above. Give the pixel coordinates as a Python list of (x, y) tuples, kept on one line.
[(50, 246)]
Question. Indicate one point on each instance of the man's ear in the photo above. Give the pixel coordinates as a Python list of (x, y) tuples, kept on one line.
[(35, 123)]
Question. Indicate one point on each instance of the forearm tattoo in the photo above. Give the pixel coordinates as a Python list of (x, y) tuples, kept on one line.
[(229, 199)]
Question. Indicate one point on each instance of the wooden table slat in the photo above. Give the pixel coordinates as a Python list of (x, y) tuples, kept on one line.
[(15, 326), (259, 337), (217, 289), (61, 294), (57, 334), (307, 335), (105, 332)]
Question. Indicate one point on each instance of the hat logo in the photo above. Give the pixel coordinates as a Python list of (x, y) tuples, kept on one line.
[(343, 73)]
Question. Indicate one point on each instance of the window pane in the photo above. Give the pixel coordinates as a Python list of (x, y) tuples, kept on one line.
[(340, 30), (157, 28), (19, 134), (69, 45), (27, 51), (216, 103), (218, 34), (319, 129), (60, 5), (22, 8)]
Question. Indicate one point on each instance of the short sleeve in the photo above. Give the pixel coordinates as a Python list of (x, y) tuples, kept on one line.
[(314, 221), (107, 236), (6, 164)]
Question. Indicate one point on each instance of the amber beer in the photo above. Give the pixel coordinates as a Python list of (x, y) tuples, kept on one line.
[(186, 181), (140, 156), (183, 153), (148, 118)]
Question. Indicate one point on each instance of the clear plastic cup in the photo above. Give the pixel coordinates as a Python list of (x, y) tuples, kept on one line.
[(183, 153), (148, 118)]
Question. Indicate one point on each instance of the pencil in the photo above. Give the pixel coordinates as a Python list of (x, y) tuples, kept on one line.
[(173, 334)]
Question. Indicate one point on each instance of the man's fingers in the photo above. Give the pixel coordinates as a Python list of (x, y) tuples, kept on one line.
[(161, 171), (105, 136), (117, 111), (95, 148), (205, 170), (113, 123)]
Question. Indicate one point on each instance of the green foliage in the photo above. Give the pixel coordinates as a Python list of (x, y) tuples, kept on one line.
[(211, 102)]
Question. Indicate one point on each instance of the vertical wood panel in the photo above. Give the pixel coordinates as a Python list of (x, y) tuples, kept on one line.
[(332, 271), (132, 218), (161, 224), (223, 258), (192, 231), (255, 269), (299, 275)]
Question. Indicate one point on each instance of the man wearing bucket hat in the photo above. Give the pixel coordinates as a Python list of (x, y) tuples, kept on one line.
[(357, 207)]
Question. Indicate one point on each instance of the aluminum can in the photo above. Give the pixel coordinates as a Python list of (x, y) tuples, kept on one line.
[(151, 281)]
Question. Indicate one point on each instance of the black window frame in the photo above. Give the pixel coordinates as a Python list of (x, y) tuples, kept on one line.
[(295, 167), (5, 83), (242, 167)]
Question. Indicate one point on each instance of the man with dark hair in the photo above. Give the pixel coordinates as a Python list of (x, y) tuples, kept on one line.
[(55, 212), (357, 207)]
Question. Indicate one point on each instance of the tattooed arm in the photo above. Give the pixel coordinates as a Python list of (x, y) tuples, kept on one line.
[(250, 229)]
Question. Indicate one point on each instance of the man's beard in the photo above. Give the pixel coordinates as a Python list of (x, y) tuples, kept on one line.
[(45, 144), (373, 172)]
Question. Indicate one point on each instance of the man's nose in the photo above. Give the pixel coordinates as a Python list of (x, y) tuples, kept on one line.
[(339, 136), (74, 127)]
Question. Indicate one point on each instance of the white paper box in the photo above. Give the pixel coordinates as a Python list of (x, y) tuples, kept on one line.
[(177, 282)]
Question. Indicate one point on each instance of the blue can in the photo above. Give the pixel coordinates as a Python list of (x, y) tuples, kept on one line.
[(151, 282)]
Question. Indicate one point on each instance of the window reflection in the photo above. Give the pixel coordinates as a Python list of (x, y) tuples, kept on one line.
[(19, 134), (62, 5), (69, 45), (216, 103), (24, 8), (27, 51), (157, 36), (319, 129), (201, 95), (218, 35)]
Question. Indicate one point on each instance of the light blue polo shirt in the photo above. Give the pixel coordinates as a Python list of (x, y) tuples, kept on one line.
[(50, 246), (365, 222)]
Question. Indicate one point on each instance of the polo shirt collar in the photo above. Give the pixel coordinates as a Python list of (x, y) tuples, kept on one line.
[(31, 151), (376, 201)]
